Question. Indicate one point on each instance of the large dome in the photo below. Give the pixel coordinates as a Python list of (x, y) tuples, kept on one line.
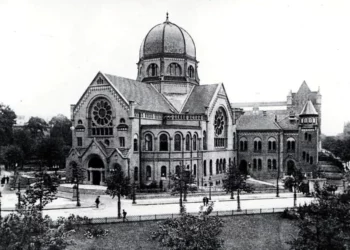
[(167, 38)]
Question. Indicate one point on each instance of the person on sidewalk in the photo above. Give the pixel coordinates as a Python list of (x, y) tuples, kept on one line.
[(124, 215), (7, 179), (97, 201), (204, 200)]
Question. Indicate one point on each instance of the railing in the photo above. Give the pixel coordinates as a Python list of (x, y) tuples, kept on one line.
[(157, 217)]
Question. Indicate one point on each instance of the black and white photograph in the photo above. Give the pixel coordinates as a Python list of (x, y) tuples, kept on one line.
[(175, 124)]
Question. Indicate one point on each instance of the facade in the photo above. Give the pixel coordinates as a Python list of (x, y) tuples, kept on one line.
[(166, 119)]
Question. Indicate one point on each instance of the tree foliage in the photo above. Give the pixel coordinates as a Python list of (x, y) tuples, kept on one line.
[(190, 231), (324, 224), (183, 181), (235, 180), (49, 151), (37, 126), (339, 147), (12, 156), (117, 183), (7, 120), (61, 128)]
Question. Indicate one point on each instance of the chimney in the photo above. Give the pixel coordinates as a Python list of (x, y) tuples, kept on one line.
[(72, 106)]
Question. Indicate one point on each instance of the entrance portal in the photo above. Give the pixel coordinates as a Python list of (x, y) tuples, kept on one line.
[(290, 167), (95, 166), (96, 177)]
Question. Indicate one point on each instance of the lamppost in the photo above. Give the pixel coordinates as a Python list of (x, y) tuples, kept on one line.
[(134, 193), (295, 191), (210, 183), (19, 195)]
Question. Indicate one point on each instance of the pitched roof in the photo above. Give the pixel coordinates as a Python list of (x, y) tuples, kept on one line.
[(143, 94), (257, 122), (304, 88), (309, 109), (288, 124), (200, 98)]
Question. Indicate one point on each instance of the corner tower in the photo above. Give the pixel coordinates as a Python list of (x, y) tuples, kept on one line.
[(168, 59)]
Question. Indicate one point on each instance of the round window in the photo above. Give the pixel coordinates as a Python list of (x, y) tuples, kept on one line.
[(102, 112), (219, 123)]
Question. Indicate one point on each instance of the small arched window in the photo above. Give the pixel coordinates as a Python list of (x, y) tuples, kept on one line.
[(122, 120), (259, 164), (307, 157), (152, 70), (148, 142), (269, 164), (177, 142), (187, 142), (305, 136), (136, 173), (217, 166), (191, 71), (255, 164), (274, 164), (211, 167), (148, 173), (174, 69), (194, 143), (291, 144), (136, 145), (205, 168), (272, 144), (311, 160), (224, 165), (310, 137), (163, 142), (205, 140), (257, 144), (220, 166), (194, 169), (304, 155), (243, 144), (163, 172)]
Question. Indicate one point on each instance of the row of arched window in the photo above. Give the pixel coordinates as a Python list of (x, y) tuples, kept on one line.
[(308, 158), (307, 137), (174, 69), (220, 166), (257, 164), (271, 144)]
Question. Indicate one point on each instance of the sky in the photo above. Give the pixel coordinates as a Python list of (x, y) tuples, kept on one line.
[(50, 51)]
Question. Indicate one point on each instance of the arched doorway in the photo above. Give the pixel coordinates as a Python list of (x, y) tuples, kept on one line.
[(96, 166), (243, 167), (290, 167)]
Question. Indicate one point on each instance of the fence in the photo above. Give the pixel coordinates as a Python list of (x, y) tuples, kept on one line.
[(157, 217)]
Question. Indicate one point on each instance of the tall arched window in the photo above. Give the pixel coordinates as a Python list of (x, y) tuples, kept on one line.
[(152, 70), (257, 144), (148, 173), (220, 166), (309, 137), (234, 141), (304, 155), (259, 164), (191, 71), (148, 142), (224, 165), (205, 168), (269, 164), (163, 172), (311, 160), (174, 69), (136, 145), (274, 164), (194, 142), (163, 142), (243, 144), (305, 136), (194, 169), (217, 166), (255, 164), (211, 167), (272, 144), (136, 173), (205, 140), (307, 157), (177, 142), (187, 143)]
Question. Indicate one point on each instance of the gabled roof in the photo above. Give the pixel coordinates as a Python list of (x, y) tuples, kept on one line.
[(199, 99), (304, 88), (309, 109), (287, 124), (257, 122), (144, 95)]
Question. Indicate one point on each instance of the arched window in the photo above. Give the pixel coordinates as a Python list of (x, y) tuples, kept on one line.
[(217, 166), (152, 70), (211, 167), (205, 168), (311, 160), (291, 144), (194, 142), (220, 166), (269, 164), (194, 169), (122, 120), (163, 172), (272, 144), (243, 144), (174, 69), (148, 173), (305, 136), (224, 166), (191, 71), (274, 164), (304, 155), (205, 141), (148, 142), (255, 164), (259, 164), (234, 141), (257, 144), (187, 143), (136, 145), (309, 137), (307, 157), (136, 173), (101, 118), (163, 142), (177, 143)]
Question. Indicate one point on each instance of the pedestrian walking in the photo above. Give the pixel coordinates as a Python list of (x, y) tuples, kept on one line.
[(204, 200), (7, 179), (97, 201), (124, 215), (2, 181)]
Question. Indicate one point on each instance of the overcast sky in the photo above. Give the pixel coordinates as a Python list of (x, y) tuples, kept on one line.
[(51, 50)]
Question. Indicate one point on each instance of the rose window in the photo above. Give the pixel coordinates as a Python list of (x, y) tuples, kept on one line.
[(102, 113), (219, 123)]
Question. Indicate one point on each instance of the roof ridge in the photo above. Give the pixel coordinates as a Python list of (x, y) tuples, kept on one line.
[(163, 97), (188, 96)]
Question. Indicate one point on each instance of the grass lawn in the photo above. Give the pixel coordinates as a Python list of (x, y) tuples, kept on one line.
[(267, 231)]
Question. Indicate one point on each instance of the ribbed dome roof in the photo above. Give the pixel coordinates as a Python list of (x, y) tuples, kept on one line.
[(167, 38)]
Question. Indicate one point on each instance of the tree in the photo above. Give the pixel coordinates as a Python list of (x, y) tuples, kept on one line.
[(22, 138), (117, 185), (37, 127), (12, 156), (76, 173), (235, 180), (7, 120), (49, 151), (324, 224), (191, 231), (61, 128)]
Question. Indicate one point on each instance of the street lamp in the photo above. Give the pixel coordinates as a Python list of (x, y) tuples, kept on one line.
[(295, 192), (19, 195), (134, 193), (210, 183)]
